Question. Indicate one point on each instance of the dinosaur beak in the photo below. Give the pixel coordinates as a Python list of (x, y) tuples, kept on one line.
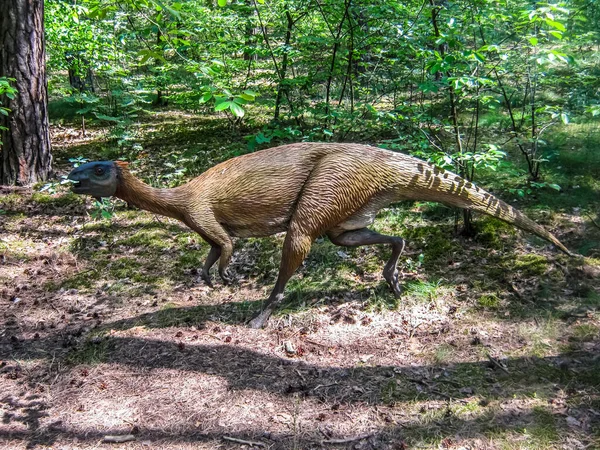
[(80, 180)]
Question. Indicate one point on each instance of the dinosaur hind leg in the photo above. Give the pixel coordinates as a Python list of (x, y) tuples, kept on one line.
[(331, 194), (364, 236), (295, 248)]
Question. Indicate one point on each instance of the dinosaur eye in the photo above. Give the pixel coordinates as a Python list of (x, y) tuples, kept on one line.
[(99, 170)]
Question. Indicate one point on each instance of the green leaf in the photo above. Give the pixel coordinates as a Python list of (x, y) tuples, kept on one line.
[(533, 41), (159, 5), (147, 54), (563, 57), (236, 109), (206, 97), (429, 86), (107, 118), (222, 105), (557, 25), (261, 138), (556, 34)]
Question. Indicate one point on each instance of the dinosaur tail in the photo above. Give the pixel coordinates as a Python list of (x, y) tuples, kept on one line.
[(446, 187)]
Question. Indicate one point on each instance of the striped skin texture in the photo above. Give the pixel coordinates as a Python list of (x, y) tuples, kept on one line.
[(307, 190)]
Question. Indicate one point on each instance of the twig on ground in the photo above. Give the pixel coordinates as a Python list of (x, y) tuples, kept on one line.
[(441, 394), (593, 221), (346, 440), (412, 331), (242, 441), (325, 385), (300, 375), (431, 389), (497, 363), (53, 307), (310, 341), (421, 382), (118, 439)]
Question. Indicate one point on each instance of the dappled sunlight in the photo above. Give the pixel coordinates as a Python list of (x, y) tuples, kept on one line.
[(109, 331), (131, 387)]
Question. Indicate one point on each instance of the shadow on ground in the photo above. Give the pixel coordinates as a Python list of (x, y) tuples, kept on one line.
[(245, 369)]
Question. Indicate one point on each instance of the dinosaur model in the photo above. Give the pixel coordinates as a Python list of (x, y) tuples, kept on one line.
[(304, 189)]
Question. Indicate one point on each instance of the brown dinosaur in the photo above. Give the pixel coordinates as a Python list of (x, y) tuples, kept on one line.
[(304, 189)]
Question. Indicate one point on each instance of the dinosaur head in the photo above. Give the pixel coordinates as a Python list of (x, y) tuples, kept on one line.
[(98, 179)]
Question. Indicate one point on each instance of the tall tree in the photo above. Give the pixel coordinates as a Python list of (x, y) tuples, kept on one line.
[(25, 155)]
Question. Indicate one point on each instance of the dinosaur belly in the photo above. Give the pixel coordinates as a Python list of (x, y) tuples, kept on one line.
[(256, 228), (365, 216)]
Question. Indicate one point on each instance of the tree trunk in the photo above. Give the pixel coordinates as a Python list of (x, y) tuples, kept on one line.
[(25, 155), (284, 63)]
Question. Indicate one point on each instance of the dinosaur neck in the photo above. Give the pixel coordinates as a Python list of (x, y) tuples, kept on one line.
[(166, 202)]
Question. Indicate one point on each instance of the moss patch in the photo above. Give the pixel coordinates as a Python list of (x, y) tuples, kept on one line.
[(531, 265)]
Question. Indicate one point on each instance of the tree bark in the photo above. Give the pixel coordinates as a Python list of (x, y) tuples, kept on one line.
[(25, 155), (284, 64)]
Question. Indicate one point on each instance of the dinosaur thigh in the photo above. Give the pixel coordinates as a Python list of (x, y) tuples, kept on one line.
[(338, 196)]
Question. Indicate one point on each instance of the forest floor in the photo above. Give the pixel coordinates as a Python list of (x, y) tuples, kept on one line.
[(106, 330)]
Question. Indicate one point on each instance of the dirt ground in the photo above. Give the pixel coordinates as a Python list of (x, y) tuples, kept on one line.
[(106, 331)]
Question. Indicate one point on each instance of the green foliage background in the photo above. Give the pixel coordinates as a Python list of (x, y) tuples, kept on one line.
[(461, 83)]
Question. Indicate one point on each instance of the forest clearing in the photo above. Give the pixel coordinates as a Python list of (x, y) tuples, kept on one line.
[(109, 336), (108, 332)]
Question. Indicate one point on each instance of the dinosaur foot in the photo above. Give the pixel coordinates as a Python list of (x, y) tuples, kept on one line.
[(260, 320), (228, 278), (392, 279), (205, 277)]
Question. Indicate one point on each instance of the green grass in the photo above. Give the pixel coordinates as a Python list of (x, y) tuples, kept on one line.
[(443, 354), (541, 335), (172, 315), (543, 431), (489, 301), (424, 291), (436, 242), (10, 201), (492, 232), (585, 332), (94, 350)]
